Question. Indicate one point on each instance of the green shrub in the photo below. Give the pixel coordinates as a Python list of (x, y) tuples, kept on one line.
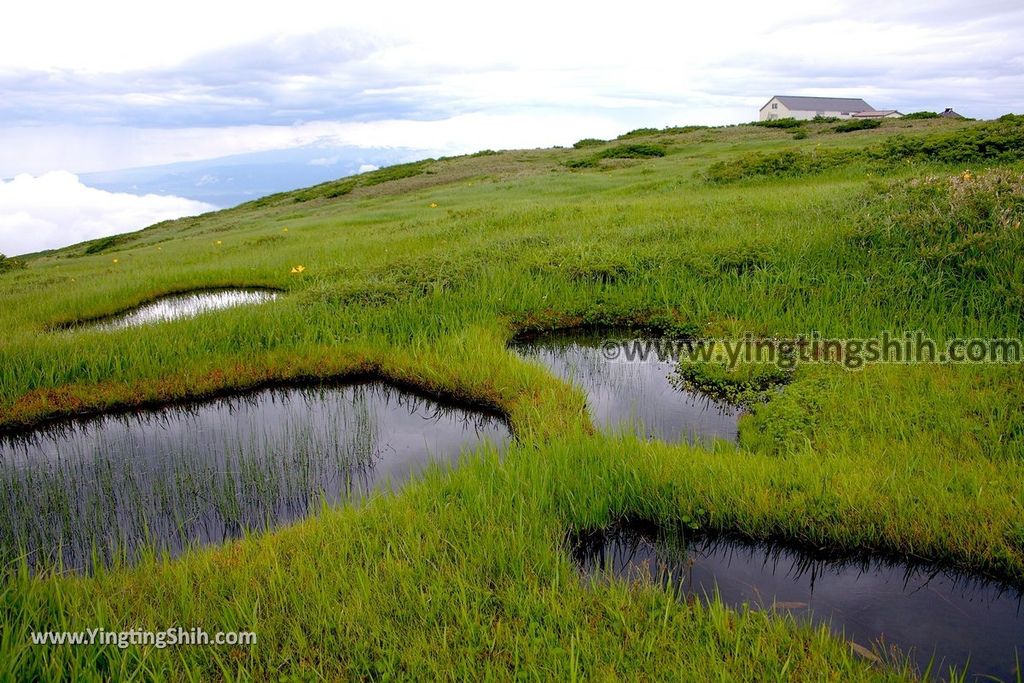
[(10, 264), (825, 119), (638, 133), (342, 187), (634, 151), (997, 141), (586, 162), (329, 190), (778, 164), (103, 244), (679, 130), (588, 142), (780, 123), (668, 130), (1000, 141), (857, 124), (912, 116), (398, 171), (800, 135)]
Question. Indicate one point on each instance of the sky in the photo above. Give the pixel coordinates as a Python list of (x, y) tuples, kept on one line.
[(104, 87)]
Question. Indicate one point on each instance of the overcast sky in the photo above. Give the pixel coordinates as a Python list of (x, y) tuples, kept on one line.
[(98, 86)]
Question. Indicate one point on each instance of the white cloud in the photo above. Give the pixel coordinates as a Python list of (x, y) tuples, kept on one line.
[(38, 150), (366, 168), (88, 95), (324, 161), (56, 209), (429, 34)]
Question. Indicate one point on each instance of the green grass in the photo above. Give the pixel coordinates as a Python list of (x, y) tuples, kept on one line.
[(423, 276)]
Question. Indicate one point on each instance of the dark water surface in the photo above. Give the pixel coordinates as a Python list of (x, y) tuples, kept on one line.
[(207, 472), (923, 611), (635, 393), (183, 306)]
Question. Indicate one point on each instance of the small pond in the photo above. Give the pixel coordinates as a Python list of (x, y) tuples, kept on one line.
[(207, 472), (628, 385), (185, 305), (923, 611)]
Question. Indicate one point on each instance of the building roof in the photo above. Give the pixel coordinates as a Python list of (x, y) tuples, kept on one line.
[(842, 104), (950, 114)]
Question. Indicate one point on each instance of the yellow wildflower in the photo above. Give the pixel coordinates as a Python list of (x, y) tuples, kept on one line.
[(115, 260), (433, 205), (298, 269), (220, 242), (285, 230), (966, 175)]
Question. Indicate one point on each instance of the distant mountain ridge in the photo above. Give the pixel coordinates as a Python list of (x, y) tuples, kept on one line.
[(232, 180)]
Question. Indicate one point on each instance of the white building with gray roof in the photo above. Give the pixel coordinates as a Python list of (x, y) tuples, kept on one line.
[(798, 107)]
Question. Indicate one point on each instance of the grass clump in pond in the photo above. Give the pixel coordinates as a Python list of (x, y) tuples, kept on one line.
[(626, 375), (461, 575), (708, 370)]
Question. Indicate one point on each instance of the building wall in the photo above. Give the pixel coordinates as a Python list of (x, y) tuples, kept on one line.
[(781, 112)]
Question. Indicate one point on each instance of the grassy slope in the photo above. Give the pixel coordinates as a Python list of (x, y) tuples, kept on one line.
[(463, 572)]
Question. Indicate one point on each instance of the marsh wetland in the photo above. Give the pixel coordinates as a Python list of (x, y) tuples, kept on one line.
[(106, 488), (184, 305), (629, 385), (238, 473), (888, 608)]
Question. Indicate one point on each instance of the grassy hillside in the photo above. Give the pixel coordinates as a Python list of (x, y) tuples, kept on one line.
[(421, 274)]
